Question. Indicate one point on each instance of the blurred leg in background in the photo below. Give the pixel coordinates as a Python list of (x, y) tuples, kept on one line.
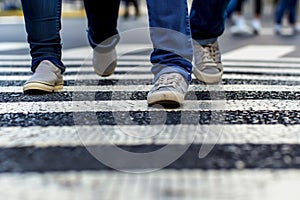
[(127, 4), (286, 7)]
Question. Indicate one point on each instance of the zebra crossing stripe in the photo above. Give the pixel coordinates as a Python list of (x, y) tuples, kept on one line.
[(72, 57), (187, 184), (147, 69), (76, 69), (136, 88), (74, 62), (129, 76), (259, 52), (128, 62), (261, 64), (11, 137), (141, 105)]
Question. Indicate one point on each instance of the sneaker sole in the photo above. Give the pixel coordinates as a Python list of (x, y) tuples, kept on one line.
[(106, 74), (207, 78), (166, 98), (40, 87)]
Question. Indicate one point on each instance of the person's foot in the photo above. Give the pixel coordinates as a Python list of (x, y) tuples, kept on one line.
[(208, 66), (256, 25), (126, 15), (240, 27), (296, 29), (46, 78), (277, 29), (104, 62), (168, 90)]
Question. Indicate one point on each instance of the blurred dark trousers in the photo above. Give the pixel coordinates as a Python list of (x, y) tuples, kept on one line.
[(289, 6)]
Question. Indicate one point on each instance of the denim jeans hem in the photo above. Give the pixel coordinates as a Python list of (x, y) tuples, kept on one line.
[(172, 69), (106, 45), (207, 41), (58, 63)]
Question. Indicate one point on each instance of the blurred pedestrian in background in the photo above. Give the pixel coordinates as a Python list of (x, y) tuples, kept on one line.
[(289, 7), (136, 5), (231, 8), (240, 26)]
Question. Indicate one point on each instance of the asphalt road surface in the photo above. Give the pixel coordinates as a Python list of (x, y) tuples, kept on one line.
[(98, 139)]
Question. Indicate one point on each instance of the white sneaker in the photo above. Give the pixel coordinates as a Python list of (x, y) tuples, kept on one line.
[(296, 29), (277, 29), (104, 63), (256, 25), (208, 66), (241, 27), (46, 78), (168, 90)]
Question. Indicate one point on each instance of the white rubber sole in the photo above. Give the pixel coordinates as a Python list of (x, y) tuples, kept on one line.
[(165, 98), (42, 87), (207, 78)]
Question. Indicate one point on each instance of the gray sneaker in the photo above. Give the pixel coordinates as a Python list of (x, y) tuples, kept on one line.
[(47, 78), (168, 90), (208, 67), (105, 62)]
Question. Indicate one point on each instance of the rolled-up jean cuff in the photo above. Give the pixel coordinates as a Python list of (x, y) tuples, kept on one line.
[(106, 45), (173, 69), (57, 62), (207, 41)]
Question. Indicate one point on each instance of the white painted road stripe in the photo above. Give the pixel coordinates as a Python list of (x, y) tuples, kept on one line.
[(73, 62), (141, 105), (147, 135), (130, 88), (279, 62), (74, 56), (258, 64), (163, 184), (5, 20), (259, 52), (77, 69), (147, 69), (7, 46), (150, 77)]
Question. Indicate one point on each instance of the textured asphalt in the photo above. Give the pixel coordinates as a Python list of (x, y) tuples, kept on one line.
[(263, 141)]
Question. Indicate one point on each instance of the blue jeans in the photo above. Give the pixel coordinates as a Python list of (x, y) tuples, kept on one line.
[(282, 7), (231, 8), (43, 24), (172, 30)]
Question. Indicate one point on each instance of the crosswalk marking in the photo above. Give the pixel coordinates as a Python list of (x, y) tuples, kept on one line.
[(6, 20), (86, 52), (143, 135), (141, 105), (147, 69), (136, 88), (39, 133), (163, 184), (7, 46), (263, 64), (81, 78), (73, 62), (259, 52)]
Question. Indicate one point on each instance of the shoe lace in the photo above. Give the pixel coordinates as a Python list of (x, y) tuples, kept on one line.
[(167, 80), (211, 53)]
